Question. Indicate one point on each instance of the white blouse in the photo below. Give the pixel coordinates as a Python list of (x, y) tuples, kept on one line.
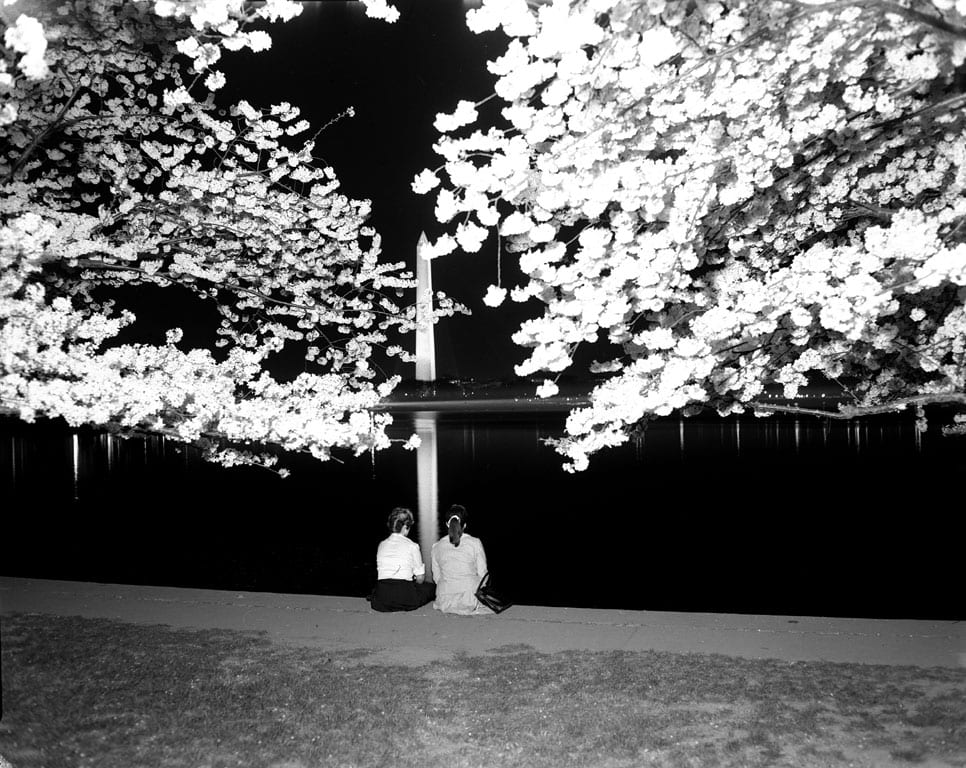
[(457, 572), (463, 565), (398, 558)]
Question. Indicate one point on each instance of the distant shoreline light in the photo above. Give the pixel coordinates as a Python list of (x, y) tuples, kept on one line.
[(533, 403)]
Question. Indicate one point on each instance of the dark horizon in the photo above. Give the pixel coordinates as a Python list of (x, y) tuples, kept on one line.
[(784, 516)]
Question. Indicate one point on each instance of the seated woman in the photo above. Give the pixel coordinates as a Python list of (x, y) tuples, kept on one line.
[(458, 565), (400, 571)]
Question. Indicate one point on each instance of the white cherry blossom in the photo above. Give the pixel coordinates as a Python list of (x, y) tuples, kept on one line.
[(547, 389), (470, 236), (380, 9), (494, 296), (425, 181), (155, 187), (727, 196), (26, 37), (464, 114)]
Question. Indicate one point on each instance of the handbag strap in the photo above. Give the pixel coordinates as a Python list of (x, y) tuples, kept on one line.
[(483, 580)]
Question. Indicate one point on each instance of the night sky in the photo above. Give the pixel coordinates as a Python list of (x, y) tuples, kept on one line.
[(397, 77)]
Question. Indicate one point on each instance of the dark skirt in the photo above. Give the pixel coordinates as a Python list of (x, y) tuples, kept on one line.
[(401, 595)]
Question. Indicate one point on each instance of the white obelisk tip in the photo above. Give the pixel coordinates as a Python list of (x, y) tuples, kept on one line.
[(425, 341)]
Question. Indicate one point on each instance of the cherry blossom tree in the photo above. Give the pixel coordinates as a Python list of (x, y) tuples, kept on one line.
[(118, 168), (715, 197)]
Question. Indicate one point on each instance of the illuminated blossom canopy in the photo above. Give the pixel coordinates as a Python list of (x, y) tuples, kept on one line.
[(118, 170), (713, 197)]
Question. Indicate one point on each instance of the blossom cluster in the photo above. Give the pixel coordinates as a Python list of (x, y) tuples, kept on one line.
[(26, 44), (114, 173), (718, 197)]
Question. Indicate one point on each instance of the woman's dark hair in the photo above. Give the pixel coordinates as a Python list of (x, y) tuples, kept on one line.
[(456, 522), (399, 518)]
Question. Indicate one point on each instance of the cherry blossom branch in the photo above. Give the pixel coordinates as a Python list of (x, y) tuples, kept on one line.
[(112, 118), (889, 7), (205, 441), (94, 265), (854, 411), (42, 136), (953, 102)]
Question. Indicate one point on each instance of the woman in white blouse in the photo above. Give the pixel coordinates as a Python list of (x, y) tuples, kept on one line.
[(459, 563), (401, 576)]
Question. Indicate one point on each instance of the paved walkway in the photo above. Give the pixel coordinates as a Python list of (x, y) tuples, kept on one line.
[(346, 623)]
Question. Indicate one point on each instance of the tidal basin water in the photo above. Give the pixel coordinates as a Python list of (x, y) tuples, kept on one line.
[(745, 515)]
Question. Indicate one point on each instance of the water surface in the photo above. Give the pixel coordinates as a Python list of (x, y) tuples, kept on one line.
[(705, 514)]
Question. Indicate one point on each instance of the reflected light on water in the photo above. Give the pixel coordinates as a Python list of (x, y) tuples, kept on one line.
[(75, 449), (427, 482), (745, 563)]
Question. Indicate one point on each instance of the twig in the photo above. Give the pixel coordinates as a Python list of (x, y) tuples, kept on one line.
[(41, 137)]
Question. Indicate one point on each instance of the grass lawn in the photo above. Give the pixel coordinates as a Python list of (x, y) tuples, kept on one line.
[(93, 692)]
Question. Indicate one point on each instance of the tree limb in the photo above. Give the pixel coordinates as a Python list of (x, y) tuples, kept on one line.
[(854, 411), (40, 137), (889, 7), (306, 308)]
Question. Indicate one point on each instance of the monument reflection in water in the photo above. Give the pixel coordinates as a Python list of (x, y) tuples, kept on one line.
[(427, 483)]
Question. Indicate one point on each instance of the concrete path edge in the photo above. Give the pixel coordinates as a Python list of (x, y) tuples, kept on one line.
[(425, 635)]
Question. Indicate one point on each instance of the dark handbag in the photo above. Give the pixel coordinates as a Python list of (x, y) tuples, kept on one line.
[(490, 597)]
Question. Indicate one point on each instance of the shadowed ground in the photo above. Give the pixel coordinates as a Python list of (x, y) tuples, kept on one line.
[(221, 679)]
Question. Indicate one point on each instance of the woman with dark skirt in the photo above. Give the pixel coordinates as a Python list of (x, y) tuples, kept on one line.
[(401, 584)]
